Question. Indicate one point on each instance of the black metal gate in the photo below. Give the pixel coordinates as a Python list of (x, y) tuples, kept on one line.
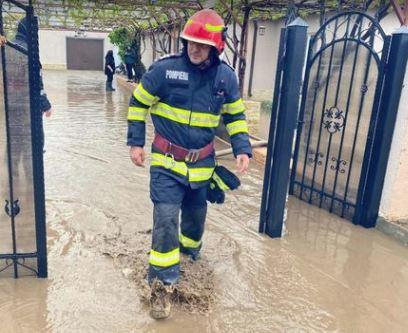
[(342, 89), (22, 213)]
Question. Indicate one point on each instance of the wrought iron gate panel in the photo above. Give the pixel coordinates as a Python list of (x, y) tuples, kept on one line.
[(342, 86), (22, 215), (6, 244)]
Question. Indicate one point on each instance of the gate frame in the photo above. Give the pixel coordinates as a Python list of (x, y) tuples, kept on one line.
[(358, 217), (37, 146), (379, 136), (288, 84), (392, 89)]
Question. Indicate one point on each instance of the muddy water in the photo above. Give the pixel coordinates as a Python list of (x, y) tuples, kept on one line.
[(326, 275)]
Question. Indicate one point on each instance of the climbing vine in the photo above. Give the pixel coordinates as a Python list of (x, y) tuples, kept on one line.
[(160, 21), (126, 38)]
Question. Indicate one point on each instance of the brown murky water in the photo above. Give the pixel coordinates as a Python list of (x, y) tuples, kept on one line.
[(325, 275)]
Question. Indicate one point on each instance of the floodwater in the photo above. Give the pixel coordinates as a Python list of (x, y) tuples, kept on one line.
[(325, 275)]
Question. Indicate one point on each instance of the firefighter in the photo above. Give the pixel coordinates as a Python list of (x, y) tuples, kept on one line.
[(186, 95)]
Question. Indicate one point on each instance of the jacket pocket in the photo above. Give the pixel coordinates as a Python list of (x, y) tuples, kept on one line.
[(216, 103), (217, 97)]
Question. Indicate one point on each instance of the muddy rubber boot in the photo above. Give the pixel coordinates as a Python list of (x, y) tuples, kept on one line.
[(194, 254), (108, 86), (160, 300)]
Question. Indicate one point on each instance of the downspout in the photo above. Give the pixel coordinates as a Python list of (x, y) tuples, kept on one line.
[(251, 71)]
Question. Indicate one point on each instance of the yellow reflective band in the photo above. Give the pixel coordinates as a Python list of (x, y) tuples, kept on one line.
[(238, 126), (137, 113), (182, 116), (204, 119), (143, 96), (166, 111), (233, 108), (199, 174), (169, 163), (214, 28), (164, 259), (188, 242), (220, 182)]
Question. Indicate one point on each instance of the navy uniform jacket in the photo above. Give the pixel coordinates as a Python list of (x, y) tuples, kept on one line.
[(186, 104)]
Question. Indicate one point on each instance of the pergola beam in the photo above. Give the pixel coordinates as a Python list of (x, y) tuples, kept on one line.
[(402, 13), (135, 10)]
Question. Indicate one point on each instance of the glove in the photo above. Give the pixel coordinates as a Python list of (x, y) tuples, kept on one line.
[(215, 194), (222, 180)]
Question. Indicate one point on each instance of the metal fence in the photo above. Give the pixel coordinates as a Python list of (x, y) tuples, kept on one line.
[(348, 102), (340, 102), (22, 221)]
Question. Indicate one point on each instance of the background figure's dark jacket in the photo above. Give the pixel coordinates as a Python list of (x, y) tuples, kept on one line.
[(187, 106), (21, 40), (110, 62), (130, 57)]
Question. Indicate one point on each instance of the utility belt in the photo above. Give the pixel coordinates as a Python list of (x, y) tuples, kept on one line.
[(179, 153)]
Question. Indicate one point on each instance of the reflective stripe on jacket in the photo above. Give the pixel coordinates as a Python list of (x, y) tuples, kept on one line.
[(186, 104)]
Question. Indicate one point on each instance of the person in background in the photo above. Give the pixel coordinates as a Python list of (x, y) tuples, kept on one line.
[(130, 59), (109, 70)]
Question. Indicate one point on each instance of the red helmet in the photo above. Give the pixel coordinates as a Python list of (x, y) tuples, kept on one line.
[(206, 27)]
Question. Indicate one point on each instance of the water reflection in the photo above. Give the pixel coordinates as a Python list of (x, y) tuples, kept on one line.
[(326, 275)]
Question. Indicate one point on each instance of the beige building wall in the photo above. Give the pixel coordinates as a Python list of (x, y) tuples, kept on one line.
[(53, 46), (267, 48), (394, 201)]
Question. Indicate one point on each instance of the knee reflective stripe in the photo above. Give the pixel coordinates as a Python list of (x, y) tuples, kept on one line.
[(199, 174), (164, 259), (143, 96), (169, 163), (233, 108), (137, 113), (188, 242), (220, 182), (239, 126)]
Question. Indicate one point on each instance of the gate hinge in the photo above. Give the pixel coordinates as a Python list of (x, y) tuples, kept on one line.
[(14, 210)]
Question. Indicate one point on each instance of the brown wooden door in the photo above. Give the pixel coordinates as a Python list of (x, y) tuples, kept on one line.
[(84, 53)]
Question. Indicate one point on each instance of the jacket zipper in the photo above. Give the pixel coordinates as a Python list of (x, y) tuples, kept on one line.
[(191, 108)]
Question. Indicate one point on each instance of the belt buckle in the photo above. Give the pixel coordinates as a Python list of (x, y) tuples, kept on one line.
[(192, 155), (169, 162)]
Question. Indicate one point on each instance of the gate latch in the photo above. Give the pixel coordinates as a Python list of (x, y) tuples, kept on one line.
[(14, 210)]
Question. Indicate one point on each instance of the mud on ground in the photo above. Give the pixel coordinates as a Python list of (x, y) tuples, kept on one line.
[(130, 253)]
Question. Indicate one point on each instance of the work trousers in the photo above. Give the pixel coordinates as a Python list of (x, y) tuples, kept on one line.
[(169, 197), (129, 71), (109, 80)]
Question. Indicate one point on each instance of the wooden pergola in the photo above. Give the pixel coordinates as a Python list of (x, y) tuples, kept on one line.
[(104, 15), (161, 19)]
